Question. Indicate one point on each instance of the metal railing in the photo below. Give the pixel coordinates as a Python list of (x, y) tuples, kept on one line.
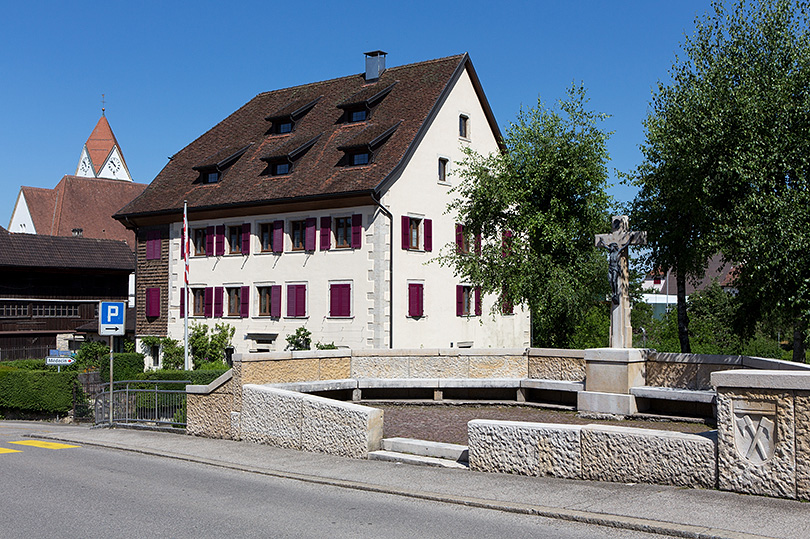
[(140, 401)]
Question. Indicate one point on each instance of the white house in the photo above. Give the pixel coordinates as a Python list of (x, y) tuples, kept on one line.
[(324, 206)]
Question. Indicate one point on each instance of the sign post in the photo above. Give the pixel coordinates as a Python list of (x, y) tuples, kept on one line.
[(111, 322)]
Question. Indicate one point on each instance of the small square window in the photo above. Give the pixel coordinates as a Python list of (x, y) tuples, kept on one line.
[(235, 239), (212, 177), (361, 158), (463, 126), (279, 169), (358, 115), (442, 170), (199, 235), (298, 235), (284, 127), (343, 232)]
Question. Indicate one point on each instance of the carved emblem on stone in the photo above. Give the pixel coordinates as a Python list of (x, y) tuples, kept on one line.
[(754, 430)]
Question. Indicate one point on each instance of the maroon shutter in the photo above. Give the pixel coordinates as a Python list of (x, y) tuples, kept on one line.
[(182, 302), (275, 301), (301, 300), (153, 302), (291, 300), (309, 240), (278, 236), (182, 246), (244, 297), (209, 241), (415, 300), (209, 302), (406, 231), (357, 231), (478, 243), (334, 299), (220, 240), (459, 237), (340, 300), (153, 245), (477, 301), (246, 239), (218, 296), (326, 233), (459, 300), (428, 224)]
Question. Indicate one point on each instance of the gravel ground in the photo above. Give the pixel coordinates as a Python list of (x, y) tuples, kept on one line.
[(447, 422)]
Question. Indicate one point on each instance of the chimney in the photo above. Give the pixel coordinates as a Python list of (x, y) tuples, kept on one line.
[(375, 64), (78, 232)]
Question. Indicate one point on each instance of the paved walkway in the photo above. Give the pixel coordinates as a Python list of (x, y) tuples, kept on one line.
[(667, 510)]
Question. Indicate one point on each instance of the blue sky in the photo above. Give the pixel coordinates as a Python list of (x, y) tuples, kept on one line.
[(171, 70)]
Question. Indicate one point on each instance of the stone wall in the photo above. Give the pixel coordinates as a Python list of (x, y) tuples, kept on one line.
[(283, 367), (208, 408), (593, 452), (556, 364), (310, 423), (439, 363)]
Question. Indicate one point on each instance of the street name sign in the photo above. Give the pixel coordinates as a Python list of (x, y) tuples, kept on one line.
[(111, 317), (59, 360)]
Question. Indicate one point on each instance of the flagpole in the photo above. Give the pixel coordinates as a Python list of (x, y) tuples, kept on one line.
[(186, 245)]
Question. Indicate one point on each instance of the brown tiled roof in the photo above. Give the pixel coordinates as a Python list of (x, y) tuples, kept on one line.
[(86, 203), (418, 91), (100, 143), (36, 251)]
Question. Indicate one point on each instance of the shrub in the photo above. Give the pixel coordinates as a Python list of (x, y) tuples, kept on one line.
[(300, 340), (322, 346), (126, 366), (36, 391)]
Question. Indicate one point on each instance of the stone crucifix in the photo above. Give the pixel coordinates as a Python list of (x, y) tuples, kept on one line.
[(616, 243)]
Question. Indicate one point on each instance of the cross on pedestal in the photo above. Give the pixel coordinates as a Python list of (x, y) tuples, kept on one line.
[(621, 332)]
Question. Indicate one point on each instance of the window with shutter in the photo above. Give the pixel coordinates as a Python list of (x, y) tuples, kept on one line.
[(340, 296), (342, 233), (218, 308), (198, 299), (182, 302), (477, 301), (309, 243), (275, 301), (153, 245), (357, 231), (326, 233), (234, 301), (296, 300), (210, 239), (200, 241), (415, 298), (461, 245), (244, 297), (235, 239), (297, 235), (246, 239), (467, 301), (428, 226), (278, 236), (153, 302), (220, 240), (209, 302)]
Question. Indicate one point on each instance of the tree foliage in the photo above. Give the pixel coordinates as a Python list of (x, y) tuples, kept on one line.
[(726, 157), (537, 206)]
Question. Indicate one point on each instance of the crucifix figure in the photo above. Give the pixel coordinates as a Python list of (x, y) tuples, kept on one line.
[(616, 243)]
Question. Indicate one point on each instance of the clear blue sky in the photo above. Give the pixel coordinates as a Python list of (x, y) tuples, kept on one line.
[(171, 70)]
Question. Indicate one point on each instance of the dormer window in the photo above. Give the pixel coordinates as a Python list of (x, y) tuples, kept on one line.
[(361, 148), (360, 158), (213, 167), (280, 169), (360, 106), (284, 127), (282, 160), (285, 119), (212, 177), (358, 115)]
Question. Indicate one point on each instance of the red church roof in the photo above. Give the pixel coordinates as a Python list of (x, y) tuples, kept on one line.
[(100, 143)]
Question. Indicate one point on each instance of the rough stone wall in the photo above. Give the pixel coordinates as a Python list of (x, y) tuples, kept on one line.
[(534, 449), (310, 423), (304, 369), (556, 364), (630, 455), (802, 426), (776, 476), (683, 375), (437, 364), (152, 274), (209, 415)]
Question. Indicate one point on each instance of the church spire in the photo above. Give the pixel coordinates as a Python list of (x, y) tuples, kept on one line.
[(101, 156)]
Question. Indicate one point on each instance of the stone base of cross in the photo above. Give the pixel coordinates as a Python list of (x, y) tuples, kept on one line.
[(617, 242)]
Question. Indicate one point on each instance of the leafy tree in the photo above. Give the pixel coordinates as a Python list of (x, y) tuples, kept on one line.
[(209, 349), (300, 340), (536, 207)]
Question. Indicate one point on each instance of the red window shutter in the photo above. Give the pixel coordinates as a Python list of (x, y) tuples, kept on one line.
[(326, 233), (357, 231), (309, 240), (334, 300), (182, 246), (246, 239), (406, 232), (278, 236), (478, 243), (275, 301), (459, 237), (153, 302), (340, 300), (415, 308), (209, 302), (182, 302), (218, 294), (153, 245), (209, 241), (244, 298), (301, 300), (291, 310), (477, 301), (428, 224), (220, 240), (459, 300)]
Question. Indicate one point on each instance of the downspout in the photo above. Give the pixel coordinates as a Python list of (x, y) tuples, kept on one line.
[(390, 269)]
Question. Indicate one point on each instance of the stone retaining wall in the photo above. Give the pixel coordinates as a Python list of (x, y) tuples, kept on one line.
[(556, 364), (208, 408), (310, 423), (593, 452)]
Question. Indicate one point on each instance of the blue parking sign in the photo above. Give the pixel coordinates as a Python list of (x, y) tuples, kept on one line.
[(111, 318)]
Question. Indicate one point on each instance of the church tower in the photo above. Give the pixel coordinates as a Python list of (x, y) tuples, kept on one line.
[(101, 156)]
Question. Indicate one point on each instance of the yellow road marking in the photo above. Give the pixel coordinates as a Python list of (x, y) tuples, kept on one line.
[(4, 450), (46, 445)]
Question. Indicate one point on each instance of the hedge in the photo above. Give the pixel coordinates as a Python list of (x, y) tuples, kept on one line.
[(36, 391), (126, 366), (196, 377)]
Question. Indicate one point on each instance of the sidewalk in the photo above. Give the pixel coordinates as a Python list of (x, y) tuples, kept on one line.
[(667, 510)]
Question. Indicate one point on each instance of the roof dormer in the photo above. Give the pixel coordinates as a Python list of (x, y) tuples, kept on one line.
[(283, 120), (360, 106), (212, 168)]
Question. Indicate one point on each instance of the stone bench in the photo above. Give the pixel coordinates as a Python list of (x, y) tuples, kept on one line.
[(687, 401)]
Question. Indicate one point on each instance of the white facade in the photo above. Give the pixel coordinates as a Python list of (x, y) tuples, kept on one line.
[(417, 193), (21, 220)]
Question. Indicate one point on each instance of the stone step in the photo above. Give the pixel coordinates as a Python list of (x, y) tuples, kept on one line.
[(426, 448), (419, 460)]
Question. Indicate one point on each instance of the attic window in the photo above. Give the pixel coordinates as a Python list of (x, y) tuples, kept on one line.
[(212, 168), (285, 119), (359, 158), (282, 160), (284, 127), (279, 169), (361, 148), (360, 106), (212, 177), (357, 115)]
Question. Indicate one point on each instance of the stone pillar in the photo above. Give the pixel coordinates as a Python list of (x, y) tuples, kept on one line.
[(763, 425), (609, 375)]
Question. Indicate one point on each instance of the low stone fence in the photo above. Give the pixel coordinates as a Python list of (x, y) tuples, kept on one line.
[(307, 422), (593, 452)]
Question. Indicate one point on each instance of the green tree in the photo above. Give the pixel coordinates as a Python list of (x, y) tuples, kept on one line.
[(536, 207), (205, 348), (726, 158)]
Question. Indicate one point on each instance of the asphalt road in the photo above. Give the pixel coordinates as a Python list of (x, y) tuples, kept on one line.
[(100, 492)]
